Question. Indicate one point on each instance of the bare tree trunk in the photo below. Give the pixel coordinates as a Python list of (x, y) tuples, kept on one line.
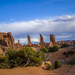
[(19, 63), (27, 63)]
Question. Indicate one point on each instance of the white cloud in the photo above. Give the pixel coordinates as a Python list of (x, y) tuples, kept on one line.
[(11, 19), (62, 37), (24, 40), (58, 26)]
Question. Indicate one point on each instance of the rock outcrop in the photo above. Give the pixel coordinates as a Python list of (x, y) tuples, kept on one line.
[(29, 41), (7, 42), (52, 41), (17, 46), (42, 43), (6, 39)]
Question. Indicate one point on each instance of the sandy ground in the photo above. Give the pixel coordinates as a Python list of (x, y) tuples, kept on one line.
[(64, 70), (26, 71)]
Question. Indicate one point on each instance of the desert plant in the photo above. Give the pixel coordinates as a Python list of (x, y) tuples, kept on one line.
[(11, 53), (74, 43), (53, 49), (27, 55), (49, 67), (70, 52), (57, 64), (64, 53), (44, 50), (64, 45), (1, 66)]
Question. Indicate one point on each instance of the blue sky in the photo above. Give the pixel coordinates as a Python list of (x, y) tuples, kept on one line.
[(23, 17)]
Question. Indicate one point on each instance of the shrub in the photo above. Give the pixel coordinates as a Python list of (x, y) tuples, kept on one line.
[(40, 55), (49, 67), (70, 52), (1, 66), (72, 61), (27, 55), (44, 50), (64, 53), (74, 43), (64, 45), (5, 66), (57, 64), (39, 58), (30, 64), (53, 49), (11, 53)]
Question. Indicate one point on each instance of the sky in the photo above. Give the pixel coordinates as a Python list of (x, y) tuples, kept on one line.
[(34, 17)]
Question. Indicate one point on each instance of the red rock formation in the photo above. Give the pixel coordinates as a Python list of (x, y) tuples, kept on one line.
[(6, 39), (17, 46), (42, 43), (52, 41), (29, 41)]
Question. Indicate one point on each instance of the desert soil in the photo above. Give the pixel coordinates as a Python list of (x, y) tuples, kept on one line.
[(63, 70)]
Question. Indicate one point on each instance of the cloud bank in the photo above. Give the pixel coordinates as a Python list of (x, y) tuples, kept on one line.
[(63, 27)]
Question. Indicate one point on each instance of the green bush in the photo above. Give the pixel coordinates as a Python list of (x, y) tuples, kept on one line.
[(30, 64), (74, 43), (1, 66), (57, 64), (64, 45), (49, 67), (11, 53), (64, 53), (44, 50), (27, 55), (53, 49), (4, 66), (39, 58)]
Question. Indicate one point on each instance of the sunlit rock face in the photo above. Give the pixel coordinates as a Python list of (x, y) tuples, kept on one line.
[(6, 39), (42, 43), (52, 41)]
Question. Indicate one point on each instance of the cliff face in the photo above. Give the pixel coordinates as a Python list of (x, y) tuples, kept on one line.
[(6, 39)]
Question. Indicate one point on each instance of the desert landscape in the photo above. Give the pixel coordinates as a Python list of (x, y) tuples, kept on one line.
[(37, 37), (7, 42)]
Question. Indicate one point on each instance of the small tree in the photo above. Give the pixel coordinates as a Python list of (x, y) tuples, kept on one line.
[(74, 44), (53, 49), (57, 64), (44, 50), (49, 67), (64, 45)]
